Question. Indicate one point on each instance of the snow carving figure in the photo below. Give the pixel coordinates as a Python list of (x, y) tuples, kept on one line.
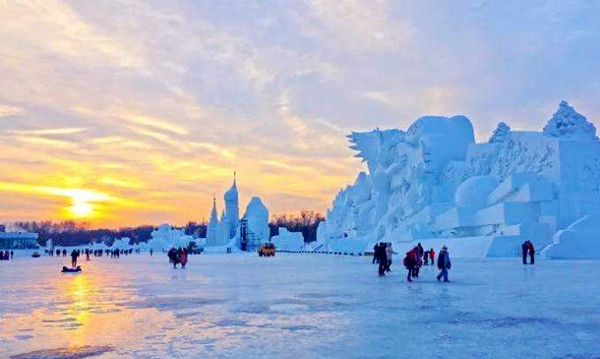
[(405, 170), (569, 124), (501, 133)]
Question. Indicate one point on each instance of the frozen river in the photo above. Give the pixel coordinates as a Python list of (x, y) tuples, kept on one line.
[(297, 306)]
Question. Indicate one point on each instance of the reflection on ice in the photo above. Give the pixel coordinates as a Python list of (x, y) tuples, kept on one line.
[(65, 353)]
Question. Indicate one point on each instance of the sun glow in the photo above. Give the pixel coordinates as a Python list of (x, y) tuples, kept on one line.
[(84, 203), (81, 209)]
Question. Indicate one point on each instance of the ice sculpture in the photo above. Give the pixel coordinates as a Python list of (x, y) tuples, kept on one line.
[(434, 184), (167, 237), (255, 224)]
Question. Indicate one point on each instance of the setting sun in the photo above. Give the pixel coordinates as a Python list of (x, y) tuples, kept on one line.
[(81, 209)]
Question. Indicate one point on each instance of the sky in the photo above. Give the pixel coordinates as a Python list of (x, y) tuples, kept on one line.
[(123, 112)]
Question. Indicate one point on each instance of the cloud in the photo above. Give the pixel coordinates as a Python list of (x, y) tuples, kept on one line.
[(10, 111), (356, 26), (158, 106), (48, 131), (159, 124)]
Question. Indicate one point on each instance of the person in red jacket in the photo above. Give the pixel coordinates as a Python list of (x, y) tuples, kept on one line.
[(432, 256), (531, 253), (183, 257), (409, 263)]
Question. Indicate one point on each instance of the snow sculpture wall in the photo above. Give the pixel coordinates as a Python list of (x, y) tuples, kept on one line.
[(433, 183), (581, 240), (166, 237), (288, 241)]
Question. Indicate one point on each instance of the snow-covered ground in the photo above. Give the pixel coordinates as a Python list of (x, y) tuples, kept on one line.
[(297, 306)]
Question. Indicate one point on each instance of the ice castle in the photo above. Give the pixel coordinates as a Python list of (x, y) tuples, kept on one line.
[(229, 230), (433, 184)]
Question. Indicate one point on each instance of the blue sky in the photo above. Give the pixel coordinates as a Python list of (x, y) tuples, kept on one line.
[(148, 107)]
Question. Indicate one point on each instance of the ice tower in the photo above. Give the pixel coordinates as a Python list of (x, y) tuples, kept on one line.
[(212, 232), (232, 210)]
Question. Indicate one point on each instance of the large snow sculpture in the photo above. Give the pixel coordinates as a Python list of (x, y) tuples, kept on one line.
[(229, 232), (433, 184)]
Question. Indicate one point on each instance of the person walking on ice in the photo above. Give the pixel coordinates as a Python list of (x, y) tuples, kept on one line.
[(531, 253), (525, 250), (382, 259), (443, 264), (409, 263), (388, 253), (74, 256)]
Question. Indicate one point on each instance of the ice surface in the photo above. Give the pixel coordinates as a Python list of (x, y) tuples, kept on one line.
[(299, 306), (434, 183)]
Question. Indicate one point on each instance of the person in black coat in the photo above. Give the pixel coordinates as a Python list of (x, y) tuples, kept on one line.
[(443, 264), (74, 256), (382, 259), (375, 253), (525, 250)]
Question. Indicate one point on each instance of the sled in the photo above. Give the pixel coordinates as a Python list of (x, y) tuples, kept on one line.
[(71, 270)]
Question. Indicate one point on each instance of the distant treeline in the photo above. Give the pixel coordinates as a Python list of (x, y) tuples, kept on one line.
[(305, 222), (72, 233)]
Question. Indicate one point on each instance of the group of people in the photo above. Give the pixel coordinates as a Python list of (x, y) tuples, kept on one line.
[(178, 256), (58, 252), (6, 255), (528, 250), (413, 261), (382, 255)]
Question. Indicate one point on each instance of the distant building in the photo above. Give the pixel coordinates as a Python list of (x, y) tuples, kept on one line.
[(17, 240)]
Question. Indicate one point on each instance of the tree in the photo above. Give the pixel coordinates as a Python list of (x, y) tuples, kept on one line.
[(306, 222)]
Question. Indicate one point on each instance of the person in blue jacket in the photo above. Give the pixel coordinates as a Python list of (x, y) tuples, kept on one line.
[(443, 264)]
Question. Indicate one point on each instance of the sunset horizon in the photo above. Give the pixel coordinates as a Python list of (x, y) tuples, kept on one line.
[(140, 118)]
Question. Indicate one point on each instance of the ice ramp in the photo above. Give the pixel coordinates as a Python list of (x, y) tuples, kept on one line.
[(469, 247), (581, 240)]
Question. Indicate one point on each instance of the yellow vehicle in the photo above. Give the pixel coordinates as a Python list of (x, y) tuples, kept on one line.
[(266, 249)]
